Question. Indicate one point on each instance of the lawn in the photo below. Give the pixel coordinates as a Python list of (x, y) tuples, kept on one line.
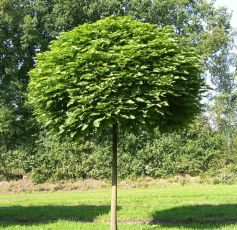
[(168, 206)]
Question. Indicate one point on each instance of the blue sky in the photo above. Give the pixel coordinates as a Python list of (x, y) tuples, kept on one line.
[(232, 6)]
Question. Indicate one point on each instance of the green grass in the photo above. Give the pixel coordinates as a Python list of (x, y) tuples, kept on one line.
[(164, 207)]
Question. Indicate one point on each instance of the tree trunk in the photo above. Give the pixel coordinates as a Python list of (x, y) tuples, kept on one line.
[(114, 180)]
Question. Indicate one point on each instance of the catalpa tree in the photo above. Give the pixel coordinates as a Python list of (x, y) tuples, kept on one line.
[(116, 73)]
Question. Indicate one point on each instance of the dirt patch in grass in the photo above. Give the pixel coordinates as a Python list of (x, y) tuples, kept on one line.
[(26, 185)]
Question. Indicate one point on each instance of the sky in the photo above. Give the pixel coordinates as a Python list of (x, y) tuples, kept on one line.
[(232, 7)]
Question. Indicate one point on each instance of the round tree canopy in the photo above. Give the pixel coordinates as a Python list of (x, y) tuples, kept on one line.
[(117, 70)]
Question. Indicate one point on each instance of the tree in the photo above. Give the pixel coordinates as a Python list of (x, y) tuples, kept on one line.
[(16, 58), (117, 72), (223, 109)]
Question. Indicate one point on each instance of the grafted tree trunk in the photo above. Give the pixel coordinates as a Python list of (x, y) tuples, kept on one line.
[(114, 179)]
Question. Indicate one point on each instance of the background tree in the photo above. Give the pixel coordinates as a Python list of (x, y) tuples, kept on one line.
[(117, 72)]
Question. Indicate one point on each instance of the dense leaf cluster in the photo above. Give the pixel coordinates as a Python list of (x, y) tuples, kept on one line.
[(117, 70)]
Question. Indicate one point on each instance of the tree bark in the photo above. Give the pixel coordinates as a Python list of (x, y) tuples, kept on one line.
[(114, 179)]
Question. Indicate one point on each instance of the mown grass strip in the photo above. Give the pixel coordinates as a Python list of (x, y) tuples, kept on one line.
[(173, 207)]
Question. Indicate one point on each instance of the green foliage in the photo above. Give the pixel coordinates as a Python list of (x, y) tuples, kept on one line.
[(117, 70), (194, 151), (197, 150), (70, 161), (225, 175), (17, 129), (5, 120)]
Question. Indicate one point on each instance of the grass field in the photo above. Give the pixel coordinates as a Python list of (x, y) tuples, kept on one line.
[(163, 207)]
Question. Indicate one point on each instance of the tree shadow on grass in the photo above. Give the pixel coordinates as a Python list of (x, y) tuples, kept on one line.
[(197, 216), (15, 215)]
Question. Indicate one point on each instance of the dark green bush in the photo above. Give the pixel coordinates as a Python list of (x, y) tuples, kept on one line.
[(199, 150)]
